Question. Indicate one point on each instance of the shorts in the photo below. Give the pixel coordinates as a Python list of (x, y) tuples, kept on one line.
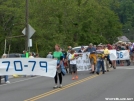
[(93, 59), (73, 67)]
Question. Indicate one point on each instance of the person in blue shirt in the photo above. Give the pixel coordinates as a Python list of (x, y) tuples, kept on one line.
[(93, 59)]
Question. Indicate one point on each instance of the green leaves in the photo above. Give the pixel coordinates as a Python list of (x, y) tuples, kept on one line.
[(64, 22)]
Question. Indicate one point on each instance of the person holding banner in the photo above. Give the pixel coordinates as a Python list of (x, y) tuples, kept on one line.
[(106, 53), (100, 59), (81, 50), (72, 58), (128, 61), (114, 61), (68, 61), (49, 55), (57, 55), (92, 56)]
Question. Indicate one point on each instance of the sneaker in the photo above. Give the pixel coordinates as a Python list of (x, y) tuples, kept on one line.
[(55, 86), (60, 86), (97, 73), (114, 67), (76, 77), (92, 72), (7, 82)]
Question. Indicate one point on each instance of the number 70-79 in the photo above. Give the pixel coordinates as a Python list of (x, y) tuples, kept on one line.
[(21, 67)]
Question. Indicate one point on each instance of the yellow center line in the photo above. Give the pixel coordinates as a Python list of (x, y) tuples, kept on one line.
[(59, 89)]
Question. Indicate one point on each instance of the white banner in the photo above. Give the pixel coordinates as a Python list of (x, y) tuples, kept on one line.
[(28, 66), (119, 55), (83, 62)]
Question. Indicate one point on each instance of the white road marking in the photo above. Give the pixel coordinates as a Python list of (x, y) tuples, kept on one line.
[(20, 81)]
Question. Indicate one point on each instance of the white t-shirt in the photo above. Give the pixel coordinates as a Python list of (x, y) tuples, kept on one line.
[(72, 61), (31, 57)]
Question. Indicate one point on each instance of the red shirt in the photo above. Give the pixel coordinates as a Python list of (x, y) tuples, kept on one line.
[(109, 47)]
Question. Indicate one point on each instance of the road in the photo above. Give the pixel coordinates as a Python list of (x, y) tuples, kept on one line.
[(117, 83)]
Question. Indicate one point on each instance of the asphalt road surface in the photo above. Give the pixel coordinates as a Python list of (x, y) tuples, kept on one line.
[(118, 83)]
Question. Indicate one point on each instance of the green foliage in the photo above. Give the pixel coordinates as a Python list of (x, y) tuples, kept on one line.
[(124, 9), (64, 22)]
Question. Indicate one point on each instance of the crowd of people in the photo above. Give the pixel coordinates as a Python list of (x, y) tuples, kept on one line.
[(99, 59)]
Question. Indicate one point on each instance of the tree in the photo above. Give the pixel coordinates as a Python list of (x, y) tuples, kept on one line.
[(64, 22)]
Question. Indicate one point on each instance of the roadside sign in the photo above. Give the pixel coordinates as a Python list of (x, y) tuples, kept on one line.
[(30, 43), (31, 31)]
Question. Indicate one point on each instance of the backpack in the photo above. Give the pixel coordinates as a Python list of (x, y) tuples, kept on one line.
[(63, 70)]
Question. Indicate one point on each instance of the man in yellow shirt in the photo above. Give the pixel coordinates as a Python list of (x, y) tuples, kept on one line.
[(106, 53)]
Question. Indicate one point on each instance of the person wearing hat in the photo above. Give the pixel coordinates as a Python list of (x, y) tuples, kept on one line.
[(100, 59), (81, 50), (92, 56)]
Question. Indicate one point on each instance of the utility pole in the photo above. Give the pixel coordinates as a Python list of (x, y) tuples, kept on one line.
[(27, 26)]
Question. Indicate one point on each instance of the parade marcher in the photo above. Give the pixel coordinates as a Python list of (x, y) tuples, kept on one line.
[(95, 47), (37, 55), (132, 53), (24, 54), (122, 48), (66, 64), (106, 53), (100, 59), (92, 56), (119, 48), (128, 61), (72, 59), (49, 55), (57, 55), (64, 54), (109, 48), (81, 50), (114, 61), (31, 55), (68, 53)]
